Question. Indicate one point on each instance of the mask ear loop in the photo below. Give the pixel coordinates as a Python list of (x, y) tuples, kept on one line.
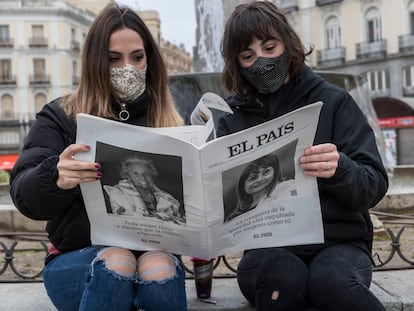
[(123, 114)]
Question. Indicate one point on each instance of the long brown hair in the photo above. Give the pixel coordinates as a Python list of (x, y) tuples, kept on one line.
[(263, 20), (94, 92)]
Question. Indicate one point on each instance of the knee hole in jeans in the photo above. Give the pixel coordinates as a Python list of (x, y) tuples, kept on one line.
[(119, 260), (156, 266)]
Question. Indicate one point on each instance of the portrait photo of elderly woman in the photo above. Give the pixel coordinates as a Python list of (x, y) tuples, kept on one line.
[(136, 192)]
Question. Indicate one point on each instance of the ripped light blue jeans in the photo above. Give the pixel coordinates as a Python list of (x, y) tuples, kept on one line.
[(80, 281)]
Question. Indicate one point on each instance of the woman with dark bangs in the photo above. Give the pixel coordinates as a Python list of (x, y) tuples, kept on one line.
[(264, 66)]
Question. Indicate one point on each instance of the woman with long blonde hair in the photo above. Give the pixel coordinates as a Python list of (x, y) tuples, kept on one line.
[(123, 78)]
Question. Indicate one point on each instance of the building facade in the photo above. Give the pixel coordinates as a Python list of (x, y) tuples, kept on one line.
[(93, 6), (177, 59), (39, 54), (40, 43), (371, 38)]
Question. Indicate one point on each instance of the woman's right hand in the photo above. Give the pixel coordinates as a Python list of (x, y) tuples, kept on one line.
[(72, 172)]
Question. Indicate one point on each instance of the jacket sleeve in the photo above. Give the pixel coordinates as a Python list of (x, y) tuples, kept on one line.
[(360, 181), (33, 186)]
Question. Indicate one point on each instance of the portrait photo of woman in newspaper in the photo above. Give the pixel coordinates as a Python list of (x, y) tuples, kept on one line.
[(137, 194), (260, 181)]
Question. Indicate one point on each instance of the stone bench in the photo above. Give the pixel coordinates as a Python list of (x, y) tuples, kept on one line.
[(394, 288)]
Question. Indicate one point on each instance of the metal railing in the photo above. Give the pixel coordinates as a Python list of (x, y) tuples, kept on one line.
[(394, 228), (406, 43), (331, 55), (14, 267), (371, 49)]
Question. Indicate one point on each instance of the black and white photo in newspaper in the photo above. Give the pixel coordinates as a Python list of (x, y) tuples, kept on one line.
[(164, 189)]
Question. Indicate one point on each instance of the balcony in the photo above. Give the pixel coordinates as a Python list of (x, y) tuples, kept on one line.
[(10, 140), (326, 2), (408, 91), (7, 80), (406, 43), (6, 42), (39, 79), (331, 57), (376, 49), (38, 42), (10, 119), (75, 45), (380, 93), (289, 5)]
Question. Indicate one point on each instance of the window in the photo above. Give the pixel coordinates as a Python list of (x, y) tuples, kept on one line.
[(40, 101), (5, 69), (333, 33), (39, 68), (74, 44), (37, 31), (75, 74), (75, 68), (37, 35), (410, 11), (373, 24), (408, 76), (411, 23), (378, 80), (4, 34), (6, 104)]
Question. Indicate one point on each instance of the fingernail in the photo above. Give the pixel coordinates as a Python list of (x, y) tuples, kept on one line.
[(99, 174), (87, 147), (97, 165)]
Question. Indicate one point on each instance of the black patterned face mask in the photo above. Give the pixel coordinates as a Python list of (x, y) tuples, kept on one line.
[(267, 74)]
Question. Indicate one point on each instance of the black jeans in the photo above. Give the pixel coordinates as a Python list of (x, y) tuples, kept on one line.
[(336, 279)]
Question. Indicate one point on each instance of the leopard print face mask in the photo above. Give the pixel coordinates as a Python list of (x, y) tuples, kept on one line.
[(128, 82)]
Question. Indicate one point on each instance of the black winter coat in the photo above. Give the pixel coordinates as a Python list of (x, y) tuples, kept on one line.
[(33, 178), (360, 180)]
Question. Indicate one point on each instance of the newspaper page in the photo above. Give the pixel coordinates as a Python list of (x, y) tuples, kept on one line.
[(207, 112), (166, 189)]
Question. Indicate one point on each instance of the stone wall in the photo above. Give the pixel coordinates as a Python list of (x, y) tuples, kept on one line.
[(11, 219)]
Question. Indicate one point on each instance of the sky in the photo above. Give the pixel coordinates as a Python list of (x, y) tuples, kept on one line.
[(178, 21)]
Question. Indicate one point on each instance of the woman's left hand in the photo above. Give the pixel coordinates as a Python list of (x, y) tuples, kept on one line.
[(320, 160)]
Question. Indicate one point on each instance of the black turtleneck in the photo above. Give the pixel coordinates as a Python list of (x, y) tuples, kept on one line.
[(138, 110)]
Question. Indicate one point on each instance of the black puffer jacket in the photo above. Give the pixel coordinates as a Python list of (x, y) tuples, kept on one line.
[(360, 180), (33, 178)]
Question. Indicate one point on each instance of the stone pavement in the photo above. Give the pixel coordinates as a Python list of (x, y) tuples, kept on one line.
[(394, 288)]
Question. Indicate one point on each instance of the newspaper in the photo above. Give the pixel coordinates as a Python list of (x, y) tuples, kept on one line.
[(207, 113), (166, 188)]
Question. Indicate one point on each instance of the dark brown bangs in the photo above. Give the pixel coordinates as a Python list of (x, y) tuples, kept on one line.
[(266, 28), (247, 26), (241, 34)]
